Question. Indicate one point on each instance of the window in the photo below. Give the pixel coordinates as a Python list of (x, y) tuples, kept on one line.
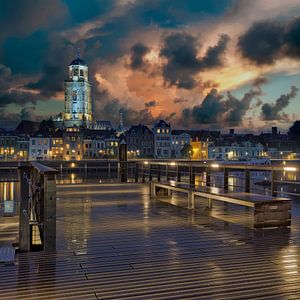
[(33, 142), (45, 151), (81, 72), (158, 130)]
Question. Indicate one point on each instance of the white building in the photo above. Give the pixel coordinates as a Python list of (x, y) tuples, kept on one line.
[(178, 141), (162, 139), (78, 102), (235, 151), (39, 147)]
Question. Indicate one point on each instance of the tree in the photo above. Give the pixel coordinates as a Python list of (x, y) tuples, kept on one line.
[(294, 132), (186, 151)]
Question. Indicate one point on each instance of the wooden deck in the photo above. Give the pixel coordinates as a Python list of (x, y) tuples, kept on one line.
[(114, 242)]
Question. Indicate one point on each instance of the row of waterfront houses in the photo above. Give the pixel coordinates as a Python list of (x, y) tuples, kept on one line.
[(32, 141)]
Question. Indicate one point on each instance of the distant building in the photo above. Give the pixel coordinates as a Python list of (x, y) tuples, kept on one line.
[(103, 125), (39, 147), (100, 144), (8, 144), (78, 101), (235, 151), (200, 149), (73, 143), (162, 139), (140, 142), (179, 139)]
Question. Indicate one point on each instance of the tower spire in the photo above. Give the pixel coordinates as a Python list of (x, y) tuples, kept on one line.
[(78, 52)]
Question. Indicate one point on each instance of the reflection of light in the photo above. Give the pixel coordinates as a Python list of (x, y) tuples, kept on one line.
[(172, 164), (215, 165), (72, 165), (146, 162), (72, 178), (172, 182), (290, 169)]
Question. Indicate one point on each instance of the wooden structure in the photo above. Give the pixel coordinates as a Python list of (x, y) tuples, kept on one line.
[(267, 211), (37, 228)]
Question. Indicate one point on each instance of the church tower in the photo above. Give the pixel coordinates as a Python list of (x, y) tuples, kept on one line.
[(78, 101)]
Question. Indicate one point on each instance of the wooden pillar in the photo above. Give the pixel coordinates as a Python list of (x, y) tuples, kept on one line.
[(273, 184), (49, 213), (247, 180), (225, 179), (24, 226), (207, 176)]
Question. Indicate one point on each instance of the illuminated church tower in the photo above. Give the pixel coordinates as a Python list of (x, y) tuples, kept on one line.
[(78, 101)]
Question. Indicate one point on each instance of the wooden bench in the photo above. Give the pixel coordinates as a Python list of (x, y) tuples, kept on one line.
[(268, 211)]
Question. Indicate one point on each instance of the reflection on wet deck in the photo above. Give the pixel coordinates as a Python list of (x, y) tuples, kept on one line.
[(113, 242)]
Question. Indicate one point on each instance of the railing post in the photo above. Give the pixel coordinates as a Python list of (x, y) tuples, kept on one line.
[(226, 179), (273, 183), (49, 212), (150, 172), (207, 176), (123, 160), (158, 172), (247, 180), (143, 173), (178, 173), (192, 177), (24, 226), (136, 173), (167, 172)]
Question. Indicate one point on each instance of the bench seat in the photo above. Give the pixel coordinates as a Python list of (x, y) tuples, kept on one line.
[(268, 211)]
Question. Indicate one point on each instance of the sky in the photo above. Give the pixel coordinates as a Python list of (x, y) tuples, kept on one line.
[(214, 64)]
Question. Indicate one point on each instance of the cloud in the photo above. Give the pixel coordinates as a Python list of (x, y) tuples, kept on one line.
[(258, 81), (138, 52), (217, 110), (266, 42), (152, 103), (60, 54), (11, 89), (182, 63), (272, 111), (20, 18), (180, 100)]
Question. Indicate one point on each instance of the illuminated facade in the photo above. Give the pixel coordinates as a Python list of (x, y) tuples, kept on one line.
[(73, 144), (200, 149), (78, 101)]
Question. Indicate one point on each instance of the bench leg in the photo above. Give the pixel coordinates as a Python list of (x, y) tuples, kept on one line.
[(191, 200), (209, 203), (169, 193), (152, 190)]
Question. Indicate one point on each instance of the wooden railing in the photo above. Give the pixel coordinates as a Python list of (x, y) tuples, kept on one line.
[(37, 229)]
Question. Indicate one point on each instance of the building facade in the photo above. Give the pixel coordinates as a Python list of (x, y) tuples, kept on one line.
[(140, 142), (236, 151), (78, 101), (178, 142), (162, 139)]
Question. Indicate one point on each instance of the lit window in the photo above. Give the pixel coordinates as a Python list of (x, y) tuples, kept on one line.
[(158, 130)]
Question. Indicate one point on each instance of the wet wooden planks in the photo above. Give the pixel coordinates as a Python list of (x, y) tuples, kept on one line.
[(124, 246)]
